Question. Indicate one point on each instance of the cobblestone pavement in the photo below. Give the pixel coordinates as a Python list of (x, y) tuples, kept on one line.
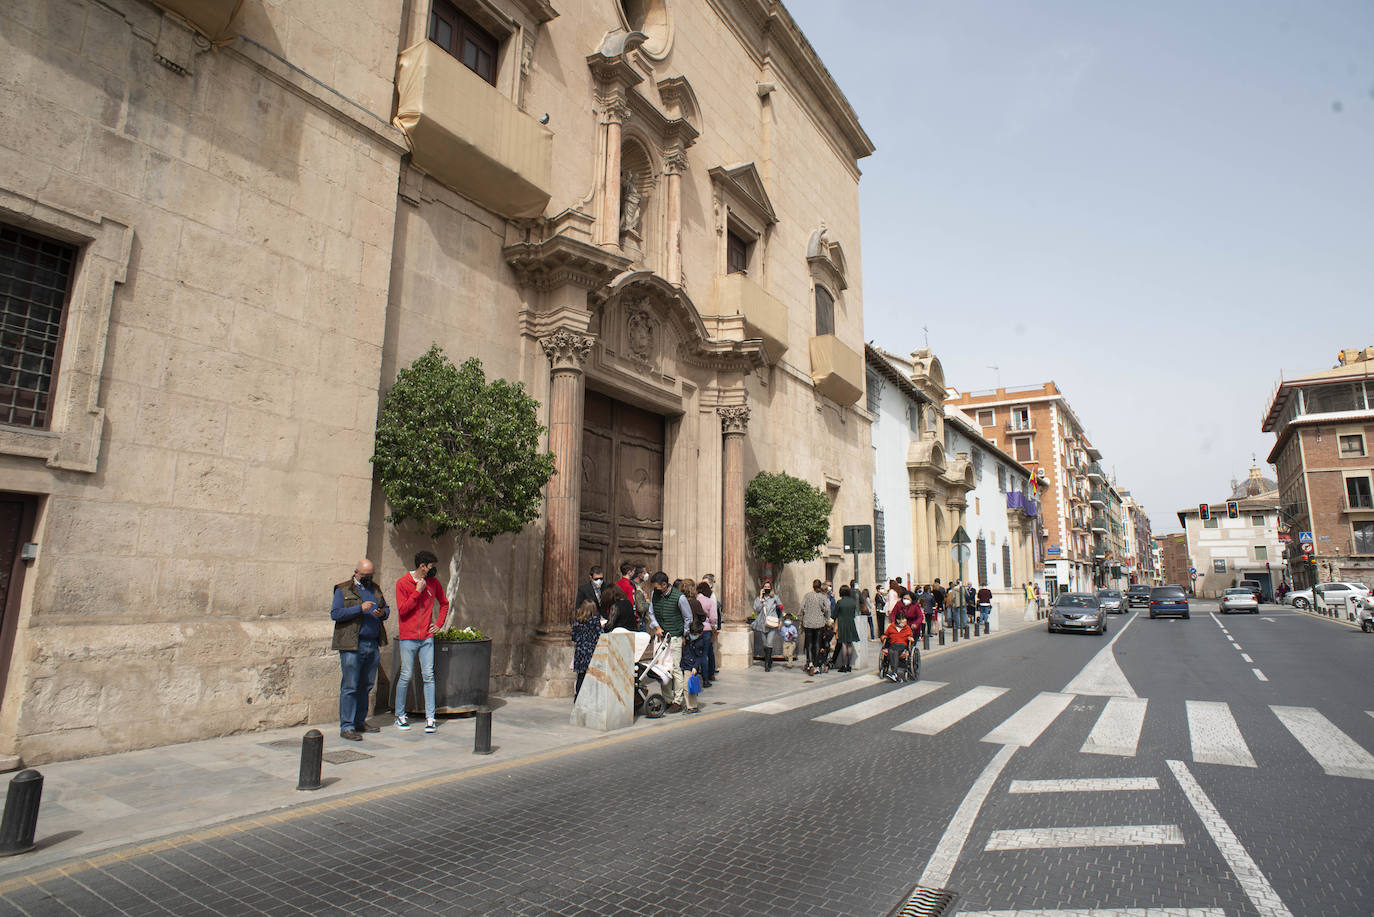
[(744, 813)]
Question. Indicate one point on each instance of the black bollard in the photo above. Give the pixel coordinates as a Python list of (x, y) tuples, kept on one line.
[(21, 813), (481, 743), (926, 642), (942, 638), (312, 759), (954, 634)]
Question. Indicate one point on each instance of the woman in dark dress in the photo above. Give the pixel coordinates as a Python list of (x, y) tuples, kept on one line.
[(846, 632)]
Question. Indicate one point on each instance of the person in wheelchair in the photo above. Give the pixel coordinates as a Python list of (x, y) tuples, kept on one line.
[(897, 644)]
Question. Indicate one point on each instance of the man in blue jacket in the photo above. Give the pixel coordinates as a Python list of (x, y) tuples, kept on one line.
[(358, 612)]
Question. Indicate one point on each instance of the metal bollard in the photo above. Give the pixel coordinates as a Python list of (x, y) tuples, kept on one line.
[(312, 759), (925, 642), (481, 743), (942, 638), (21, 813), (954, 635)]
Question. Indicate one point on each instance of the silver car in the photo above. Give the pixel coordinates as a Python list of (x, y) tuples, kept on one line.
[(1112, 601), (1077, 611), (1239, 598)]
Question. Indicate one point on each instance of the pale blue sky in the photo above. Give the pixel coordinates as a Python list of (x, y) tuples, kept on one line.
[(1162, 206)]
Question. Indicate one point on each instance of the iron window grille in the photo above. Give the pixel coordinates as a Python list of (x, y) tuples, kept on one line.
[(35, 281)]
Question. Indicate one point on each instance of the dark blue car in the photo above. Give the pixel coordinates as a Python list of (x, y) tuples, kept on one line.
[(1168, 600)]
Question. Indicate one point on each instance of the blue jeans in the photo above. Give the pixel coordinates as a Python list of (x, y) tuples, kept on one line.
[(359, 668), (983, 612), (408, 649), (960, 617)]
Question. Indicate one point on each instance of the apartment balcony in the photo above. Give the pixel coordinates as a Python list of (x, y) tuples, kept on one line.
[(1099, 525), (470, 137), (1077, 496), (837, 370), (1097, 497), (209, 17), (1095, 471), (1360, 504), (765, 316), (1020, 425)]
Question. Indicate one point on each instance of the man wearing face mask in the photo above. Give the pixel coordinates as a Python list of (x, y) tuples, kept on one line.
[(416, 625), (590, 591), (358, 611)]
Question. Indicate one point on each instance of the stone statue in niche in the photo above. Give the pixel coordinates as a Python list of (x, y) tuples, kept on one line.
[(631, 204), (641, 336)]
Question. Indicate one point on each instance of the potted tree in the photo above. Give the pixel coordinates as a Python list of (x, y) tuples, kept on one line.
[(458, 457), (788, 520)]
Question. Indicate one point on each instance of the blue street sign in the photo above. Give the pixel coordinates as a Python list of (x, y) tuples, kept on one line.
[(1305, 537), (1192, 569)]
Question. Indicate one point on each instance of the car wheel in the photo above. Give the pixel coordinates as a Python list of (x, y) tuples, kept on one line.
[(1300, 604), (1255, 612), (1103, 630), (1049, 628), (1366, 625), (1185, 616), (1152, 616)]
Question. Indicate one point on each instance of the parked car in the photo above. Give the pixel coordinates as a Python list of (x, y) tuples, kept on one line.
[(1255, 588), (1138, 595), (1112, 601), (1077, 611), (1330, 594), (1168, 600), (1238, 598)]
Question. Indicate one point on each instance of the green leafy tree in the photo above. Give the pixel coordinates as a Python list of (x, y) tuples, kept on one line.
[(457, 454), (788, 519)]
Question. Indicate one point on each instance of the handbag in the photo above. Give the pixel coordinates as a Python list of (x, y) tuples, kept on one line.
[(772, 621), (694, 684)]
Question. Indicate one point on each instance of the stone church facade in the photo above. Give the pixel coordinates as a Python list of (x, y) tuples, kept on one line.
[(226, 224)]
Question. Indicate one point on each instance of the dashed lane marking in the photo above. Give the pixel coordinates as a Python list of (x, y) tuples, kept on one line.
[(942, 861), (1215, 737), (1337, 753), (1260, 675), (1246, 657), (1024, 726), (1117, 730), (857, 713), (1084, 785), (1089, 836), (952, 711)]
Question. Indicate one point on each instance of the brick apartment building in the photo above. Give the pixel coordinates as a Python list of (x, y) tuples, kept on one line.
[(1323, 425), (1173, 559)]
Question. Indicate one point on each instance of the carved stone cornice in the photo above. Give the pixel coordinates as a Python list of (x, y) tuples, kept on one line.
[(613, 108), (563, 261), (566, 350), (675, 162), (734, 419), (610, 63)]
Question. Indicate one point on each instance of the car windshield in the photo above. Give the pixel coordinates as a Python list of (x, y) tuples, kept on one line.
[(1138, 589), (1238, 592), (1108, 594), (1167, 592), (1076, 601)]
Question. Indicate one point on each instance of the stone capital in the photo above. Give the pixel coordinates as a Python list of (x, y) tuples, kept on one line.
[(675, 162), (733, 419), (566, 350)]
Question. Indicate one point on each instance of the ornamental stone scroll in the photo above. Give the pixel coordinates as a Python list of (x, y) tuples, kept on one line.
[(733, 419), (566, 350)]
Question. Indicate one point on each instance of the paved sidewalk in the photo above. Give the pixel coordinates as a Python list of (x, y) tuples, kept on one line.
[(97, 804)]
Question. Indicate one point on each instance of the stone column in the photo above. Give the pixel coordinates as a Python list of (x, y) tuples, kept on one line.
[(567, 352), (735, 597), (608, 232), (932, 543), (919, 534), (956, 519), (675, 164)]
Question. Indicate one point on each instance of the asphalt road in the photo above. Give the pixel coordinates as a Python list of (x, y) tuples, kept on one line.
[(1241, 795)]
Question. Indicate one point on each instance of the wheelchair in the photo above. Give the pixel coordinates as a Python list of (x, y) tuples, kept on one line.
[(910, 671)]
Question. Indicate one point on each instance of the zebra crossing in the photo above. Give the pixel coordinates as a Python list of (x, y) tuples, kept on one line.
[(1214, 735)]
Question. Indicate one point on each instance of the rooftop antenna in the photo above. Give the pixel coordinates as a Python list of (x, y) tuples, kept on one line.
[(925, 331), (998, 371)]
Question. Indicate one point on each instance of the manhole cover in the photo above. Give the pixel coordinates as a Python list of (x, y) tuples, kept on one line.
[(925, 902), (283, 744), (344, 755)]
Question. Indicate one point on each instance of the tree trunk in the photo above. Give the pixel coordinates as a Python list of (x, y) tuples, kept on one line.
[(455, 570)]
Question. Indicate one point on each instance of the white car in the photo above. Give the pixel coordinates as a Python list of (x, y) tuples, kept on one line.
[(1238, 598), (1330, 594)]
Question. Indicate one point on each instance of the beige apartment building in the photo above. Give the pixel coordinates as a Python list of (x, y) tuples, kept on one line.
[(1238, 542), (224, 227), (1037, 426), (1323, 426)]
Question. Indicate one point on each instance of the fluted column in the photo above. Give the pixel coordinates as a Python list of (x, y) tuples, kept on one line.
[(608, 232), (932, 543), (567, 352), (735, 600), (675, 164), (918, 534)]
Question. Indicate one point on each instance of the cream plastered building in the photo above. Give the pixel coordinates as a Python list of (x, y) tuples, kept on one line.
[(229, 224)]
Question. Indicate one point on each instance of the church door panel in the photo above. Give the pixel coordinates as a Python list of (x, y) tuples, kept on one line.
[(622, 485)]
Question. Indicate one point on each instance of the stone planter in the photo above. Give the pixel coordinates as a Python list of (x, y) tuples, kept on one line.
[(462, 673)]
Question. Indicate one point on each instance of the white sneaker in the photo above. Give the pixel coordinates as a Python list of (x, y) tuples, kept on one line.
[(402, 722), (430, 726)]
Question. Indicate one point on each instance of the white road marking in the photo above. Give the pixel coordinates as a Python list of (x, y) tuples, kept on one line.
[(1337, 753), (1246, 657), (1117, 731), (950, 712), (1270, 620), (802, 698), (1102, 675), (1103, 912), (1090, 836), (857, 713), (1236, 646), (946, 855), (1252, 881), (1084, 785), (1025, 725), (1260, 675), (1215, 737)]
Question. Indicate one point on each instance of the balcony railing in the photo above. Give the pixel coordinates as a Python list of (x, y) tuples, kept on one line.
[(837, 370), (1358, 503), (1095, 471), (1020, 425), (470, 137), (1099, 524), (1097, 495), (765, 316)]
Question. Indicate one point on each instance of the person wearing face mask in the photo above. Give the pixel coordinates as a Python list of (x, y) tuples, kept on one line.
[(416, 625), (358, 612), (590, 591)]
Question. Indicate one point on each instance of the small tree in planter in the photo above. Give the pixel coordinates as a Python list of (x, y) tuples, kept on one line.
[(788, 519), (458, 455)]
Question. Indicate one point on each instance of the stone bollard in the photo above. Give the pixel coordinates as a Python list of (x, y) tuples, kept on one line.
[(21, 813), (481, 742), (312, 759)]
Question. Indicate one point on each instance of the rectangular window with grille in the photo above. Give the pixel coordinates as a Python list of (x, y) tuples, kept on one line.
[(35, 280), (1006, 566), (982, 562), (879, 545)]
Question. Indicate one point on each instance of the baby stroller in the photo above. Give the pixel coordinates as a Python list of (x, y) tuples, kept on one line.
[(910, 671), (652, 673)]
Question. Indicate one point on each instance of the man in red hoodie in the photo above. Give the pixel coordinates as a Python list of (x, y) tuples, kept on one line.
[(416, 593)]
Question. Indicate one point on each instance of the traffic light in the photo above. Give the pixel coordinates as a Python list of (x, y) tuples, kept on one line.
[(1204, 511), (1232, 509)]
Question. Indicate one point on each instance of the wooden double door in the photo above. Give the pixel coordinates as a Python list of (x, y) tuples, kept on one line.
[(16, 527), (622, 486)]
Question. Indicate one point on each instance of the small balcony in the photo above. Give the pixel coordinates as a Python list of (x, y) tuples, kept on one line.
[(1095, 471), (470, 137), (837, 370), (765, 316), (1099, 524), (1358, 503), (1097, 497), (209, 17)]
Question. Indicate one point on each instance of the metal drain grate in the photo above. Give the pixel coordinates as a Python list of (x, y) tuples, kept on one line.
[(343, 756), (283, 744), (925, 902)]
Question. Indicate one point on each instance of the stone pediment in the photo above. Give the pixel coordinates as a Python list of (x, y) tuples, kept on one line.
[(744, 186), (641, 305)]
